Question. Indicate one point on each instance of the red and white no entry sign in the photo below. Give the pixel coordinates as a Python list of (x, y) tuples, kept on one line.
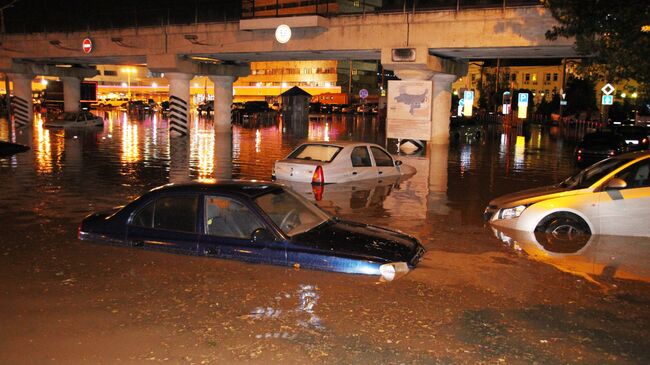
[(87, 45)]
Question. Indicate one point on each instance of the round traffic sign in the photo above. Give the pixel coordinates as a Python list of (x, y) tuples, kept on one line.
[(87, 45), (363, 93)]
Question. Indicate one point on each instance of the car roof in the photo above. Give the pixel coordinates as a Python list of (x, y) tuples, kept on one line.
[(250, 188), (341, 143)]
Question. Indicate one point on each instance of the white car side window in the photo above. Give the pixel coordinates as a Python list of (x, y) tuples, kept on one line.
[(637, 175), (360, 157)]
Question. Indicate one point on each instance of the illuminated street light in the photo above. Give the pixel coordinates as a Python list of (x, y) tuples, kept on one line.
[(154, 85), (623, 95), (44, 81), (128, 71), (634, 95)]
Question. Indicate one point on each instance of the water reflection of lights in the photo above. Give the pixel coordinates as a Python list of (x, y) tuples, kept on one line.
[(520, 147), (43, 151), (130, 144), (202, 151), (304, 313), (465, 158), (258, 140)]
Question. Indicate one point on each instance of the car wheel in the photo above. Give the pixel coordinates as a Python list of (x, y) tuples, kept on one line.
[(562, 232)]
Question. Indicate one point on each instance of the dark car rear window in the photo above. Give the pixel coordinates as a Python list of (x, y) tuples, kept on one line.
[(316, 152)]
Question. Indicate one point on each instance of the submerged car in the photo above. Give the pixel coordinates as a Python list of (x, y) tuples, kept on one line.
[(463, 129), (611, 197), (337, 162), (598, 146), (75, 119), (255, 222), (636, 137)]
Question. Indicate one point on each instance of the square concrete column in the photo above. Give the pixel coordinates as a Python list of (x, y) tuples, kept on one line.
[(179, 102), (22, 106), (71, 93), (441, 108)]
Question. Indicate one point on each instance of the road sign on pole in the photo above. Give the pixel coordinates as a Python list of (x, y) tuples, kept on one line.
[(363, 93), (607, 100)]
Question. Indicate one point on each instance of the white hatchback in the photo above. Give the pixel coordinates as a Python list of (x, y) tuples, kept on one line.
[(338, 162), (611, 197)]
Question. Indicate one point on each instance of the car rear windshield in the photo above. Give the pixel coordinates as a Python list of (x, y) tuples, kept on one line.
[(316, 152)]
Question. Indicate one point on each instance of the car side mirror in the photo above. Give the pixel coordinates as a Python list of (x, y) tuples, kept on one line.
[(615, 184), (398, 163), (262, 235)]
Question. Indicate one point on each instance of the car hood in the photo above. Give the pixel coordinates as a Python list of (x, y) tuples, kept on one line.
[(361, 240), (534, 195)]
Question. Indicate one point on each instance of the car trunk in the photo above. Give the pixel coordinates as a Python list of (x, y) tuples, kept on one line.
[(296, 170)]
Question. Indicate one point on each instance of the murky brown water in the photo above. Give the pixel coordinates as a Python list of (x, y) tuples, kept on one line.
[(474, 298)]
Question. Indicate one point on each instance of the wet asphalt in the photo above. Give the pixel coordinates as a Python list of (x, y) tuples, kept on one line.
[(473, 299)]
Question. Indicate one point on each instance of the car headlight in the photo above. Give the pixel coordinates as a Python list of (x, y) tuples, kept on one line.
[(390, 271), (514, 212)]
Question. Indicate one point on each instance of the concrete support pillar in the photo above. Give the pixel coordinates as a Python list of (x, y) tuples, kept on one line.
[(179, 103), (222, 102), (223, 154), (71, 93), (441, 108), (22, 106)]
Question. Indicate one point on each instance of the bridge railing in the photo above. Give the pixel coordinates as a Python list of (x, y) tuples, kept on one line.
[(277, 8)]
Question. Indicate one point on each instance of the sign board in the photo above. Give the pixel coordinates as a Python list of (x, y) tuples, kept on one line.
[(607, 99), (461, 104), (409, 109), (522, 111), (87, 45), (363, 93), (522, 99), (506, 109), (468, 96), (607, 89)]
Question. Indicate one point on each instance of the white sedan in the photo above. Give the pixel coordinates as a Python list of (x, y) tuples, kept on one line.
[(337, 162), (75, 119), (611, 197)]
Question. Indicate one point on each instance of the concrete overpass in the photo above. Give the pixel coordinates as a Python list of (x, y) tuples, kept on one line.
[(441, 41)]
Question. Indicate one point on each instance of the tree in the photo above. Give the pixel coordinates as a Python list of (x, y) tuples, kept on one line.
[(610, 33), (581, 96)]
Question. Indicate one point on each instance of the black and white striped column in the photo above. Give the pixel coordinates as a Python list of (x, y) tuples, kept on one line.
[(179, 97), (22, 106)]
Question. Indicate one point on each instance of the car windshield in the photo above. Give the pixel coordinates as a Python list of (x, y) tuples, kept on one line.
[(67, 116), (593, 173), (291, 212), (316, 152)]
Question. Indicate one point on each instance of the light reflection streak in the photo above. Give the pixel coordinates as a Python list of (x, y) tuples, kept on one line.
[(520, 147), (465, 158), (130, 143), (202, 148), (43, 150), (258, 140)]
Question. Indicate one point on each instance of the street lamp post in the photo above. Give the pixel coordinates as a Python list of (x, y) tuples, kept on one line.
[(128, 71)]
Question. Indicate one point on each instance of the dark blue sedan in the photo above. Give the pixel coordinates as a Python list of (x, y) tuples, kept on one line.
[(255, 222)]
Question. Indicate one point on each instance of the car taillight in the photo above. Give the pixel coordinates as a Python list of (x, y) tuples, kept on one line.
[(645, 140), (318, 177), (612, 152), (579, 150)]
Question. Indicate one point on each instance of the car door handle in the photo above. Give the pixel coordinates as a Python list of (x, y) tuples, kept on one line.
[(354, 172)]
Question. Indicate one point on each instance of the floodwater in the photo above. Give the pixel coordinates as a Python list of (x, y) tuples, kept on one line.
[(477, 297)]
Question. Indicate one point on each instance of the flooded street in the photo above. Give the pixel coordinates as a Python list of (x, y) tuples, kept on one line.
[(475, 297)]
